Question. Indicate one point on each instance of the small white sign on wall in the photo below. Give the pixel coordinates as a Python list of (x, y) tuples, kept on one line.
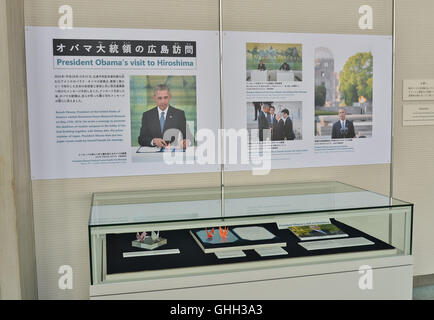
[(418, 115), (418, 89)]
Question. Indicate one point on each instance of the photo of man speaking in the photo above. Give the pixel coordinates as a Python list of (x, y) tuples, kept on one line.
[(159, 122), (343, 128), (163, 113)]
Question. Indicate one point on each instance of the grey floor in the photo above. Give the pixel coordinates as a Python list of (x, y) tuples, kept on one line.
[(423, 293)]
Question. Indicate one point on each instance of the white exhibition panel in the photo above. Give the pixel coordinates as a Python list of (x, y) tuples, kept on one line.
[(72, 154), (307, 150), (59, 130)]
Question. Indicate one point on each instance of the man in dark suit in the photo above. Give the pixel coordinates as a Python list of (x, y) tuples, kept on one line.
[(285, 126), (263, 121), (261, 65), (274, 124), (343, 128), (285, 67), (163, 124), (257, 106)]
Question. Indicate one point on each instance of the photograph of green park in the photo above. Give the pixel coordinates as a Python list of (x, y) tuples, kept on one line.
[(273, 58), (274, 55), (182, 90)]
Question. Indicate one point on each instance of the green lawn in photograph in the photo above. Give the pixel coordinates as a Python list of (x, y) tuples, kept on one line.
[(274, 55), (325, 113)]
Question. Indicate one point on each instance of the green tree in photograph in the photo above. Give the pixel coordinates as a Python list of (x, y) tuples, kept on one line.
[(271, 52), (320, 96), (357, 78), (291, 54), (254, 53)]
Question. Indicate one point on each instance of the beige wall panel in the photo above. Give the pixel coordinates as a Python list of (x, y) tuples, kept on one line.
[(413, 168), (140, 14), (21, 153), (9, 259), (305, 16), (9, 255)]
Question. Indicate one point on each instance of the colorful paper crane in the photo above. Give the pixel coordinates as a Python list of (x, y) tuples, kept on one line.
[(224, 232), (210, 234), (141, 237)]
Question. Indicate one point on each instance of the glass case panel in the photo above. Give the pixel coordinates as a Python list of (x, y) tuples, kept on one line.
[(300, 198), (115, 208), (154, 234)]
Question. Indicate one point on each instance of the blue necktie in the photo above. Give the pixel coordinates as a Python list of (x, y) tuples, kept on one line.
[(162, 121), (343, 124)]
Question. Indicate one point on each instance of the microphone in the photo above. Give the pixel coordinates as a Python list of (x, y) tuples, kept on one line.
[(172, 139), (168, 142), (344, 132)]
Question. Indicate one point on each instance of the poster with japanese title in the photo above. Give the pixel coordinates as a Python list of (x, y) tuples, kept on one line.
[(119, 102), (309, 100)]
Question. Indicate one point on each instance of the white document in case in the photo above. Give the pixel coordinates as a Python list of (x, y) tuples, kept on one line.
[(253, 233), (150, 253), (298, 222), (230, 254), (272, 251), (338, 243)]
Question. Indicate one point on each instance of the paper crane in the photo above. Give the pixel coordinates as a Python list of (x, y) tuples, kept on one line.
[(155, 236), (224, 232), (141, 237), (210, 234)]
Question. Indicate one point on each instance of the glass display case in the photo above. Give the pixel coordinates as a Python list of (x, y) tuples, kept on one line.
[(161, 234)]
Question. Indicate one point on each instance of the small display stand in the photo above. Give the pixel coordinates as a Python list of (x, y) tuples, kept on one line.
[(149, 243)]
